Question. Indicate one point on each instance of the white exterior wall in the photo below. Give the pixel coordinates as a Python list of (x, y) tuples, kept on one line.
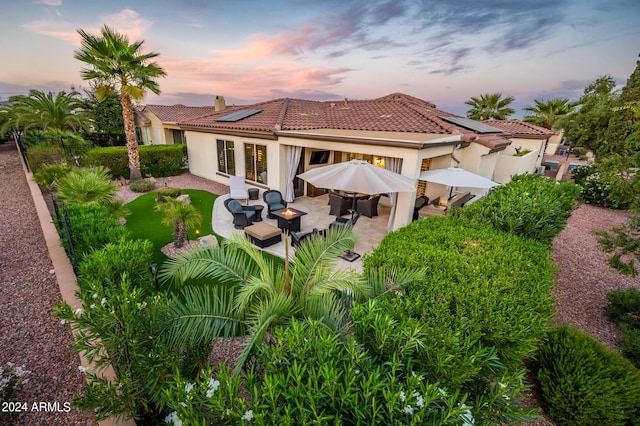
[(509, 166)]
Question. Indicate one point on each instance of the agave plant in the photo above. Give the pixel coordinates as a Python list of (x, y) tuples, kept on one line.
[(181, 216), (253, 292)]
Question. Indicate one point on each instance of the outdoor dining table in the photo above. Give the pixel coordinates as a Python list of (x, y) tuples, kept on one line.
[(289, 219)]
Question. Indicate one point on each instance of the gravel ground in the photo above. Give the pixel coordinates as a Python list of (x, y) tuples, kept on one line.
[(32, 337), (29, 334)]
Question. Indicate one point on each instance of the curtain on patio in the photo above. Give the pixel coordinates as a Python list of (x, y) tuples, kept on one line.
[(395, 165), (293, 158)]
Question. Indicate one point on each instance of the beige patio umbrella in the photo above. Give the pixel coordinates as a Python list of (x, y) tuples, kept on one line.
[(457, 177), (358, 176)]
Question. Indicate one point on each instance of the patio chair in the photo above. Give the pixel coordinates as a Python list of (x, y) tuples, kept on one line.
[(341, 221), (243, 216), (339, 205), (274, 201), (420, 203), (238, 188), (298, 237), (368, 207)]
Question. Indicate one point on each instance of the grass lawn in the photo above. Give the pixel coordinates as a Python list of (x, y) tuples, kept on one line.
[(145, 223)]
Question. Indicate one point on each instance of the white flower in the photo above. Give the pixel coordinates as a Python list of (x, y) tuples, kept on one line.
[(78, 311), (212, 387), (82, 369), (95, 295), (92, 306), (173, 419), (502, 385), (467, 417), (413, 373), (408, 410), (63, 322), (248, 415), (419, 399), (402, 396), (189, 387), (357, 371), (103, 301)]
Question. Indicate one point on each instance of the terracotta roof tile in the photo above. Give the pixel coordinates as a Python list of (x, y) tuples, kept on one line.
[(176, 113), (517, 128)]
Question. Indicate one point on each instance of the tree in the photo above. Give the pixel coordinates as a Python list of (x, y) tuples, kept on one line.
[(107, 112), (490, 106), (546, 113), (587, 127), (257, 292), (626, 115), (46, 111), (114, 63), (181, 216)]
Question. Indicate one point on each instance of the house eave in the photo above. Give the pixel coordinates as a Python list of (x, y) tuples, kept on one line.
[(231, 132), (395, 143)]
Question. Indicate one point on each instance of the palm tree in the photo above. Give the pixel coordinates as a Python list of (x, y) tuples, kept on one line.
[(546, 113), (86, 186), (46, 111), (114, 63), (257, 293), (181, 216), (490, 106)]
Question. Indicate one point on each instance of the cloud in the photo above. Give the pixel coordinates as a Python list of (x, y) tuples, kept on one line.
[(50, 2), (127, 21)]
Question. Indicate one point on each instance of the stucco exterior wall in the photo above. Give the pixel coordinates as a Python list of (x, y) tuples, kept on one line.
[(509, 166)]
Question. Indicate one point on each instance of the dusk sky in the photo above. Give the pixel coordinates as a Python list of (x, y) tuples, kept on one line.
[(250, 51)]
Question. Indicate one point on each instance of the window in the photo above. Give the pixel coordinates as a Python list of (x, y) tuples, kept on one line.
[(255, 157), (226, 160), (178, 136)]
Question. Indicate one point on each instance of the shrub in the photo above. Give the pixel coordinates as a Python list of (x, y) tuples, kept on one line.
[(483, 289), (624, 309), (11, 379), (142, 185), (162, 160), (113, 158), (530, 206), (38, 156), (167, 192), (49, 173), (86, 186), (309, 375), (91, 228), (107, 264), (583, 382), (119, 326)]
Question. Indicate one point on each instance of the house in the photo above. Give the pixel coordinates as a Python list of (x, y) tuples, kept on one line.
[(524, 137), (271, 142), (158, 124)]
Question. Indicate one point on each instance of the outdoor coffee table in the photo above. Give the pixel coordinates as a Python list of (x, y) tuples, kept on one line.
[(289, 219)]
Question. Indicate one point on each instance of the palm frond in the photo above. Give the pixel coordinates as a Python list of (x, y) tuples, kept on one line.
[(328, 309), (200, 314), (383, 280)]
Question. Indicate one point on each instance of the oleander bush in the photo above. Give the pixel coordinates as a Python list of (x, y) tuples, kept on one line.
[(583, 382), (167, 192), (107, 264), (142, 185), (306, 375), (624, 309), (530, 206), (476, 315), (92, 227)]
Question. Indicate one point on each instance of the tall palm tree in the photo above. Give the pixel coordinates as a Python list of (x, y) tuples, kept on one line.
[(257, 293), (181, 215), (114, 63), (546, 113), (490, 106), (46, 111)]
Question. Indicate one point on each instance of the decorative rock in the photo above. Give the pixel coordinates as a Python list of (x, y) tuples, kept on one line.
[(184, 198), (209, 241)]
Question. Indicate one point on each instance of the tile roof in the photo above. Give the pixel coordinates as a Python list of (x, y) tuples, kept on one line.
[(395, 112), (517, 128), (176, 113)]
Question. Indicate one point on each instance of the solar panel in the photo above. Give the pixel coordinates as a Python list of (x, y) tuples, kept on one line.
[(470, 124), (239, 115)]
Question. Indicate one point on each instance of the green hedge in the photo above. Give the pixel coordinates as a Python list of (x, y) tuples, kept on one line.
[(530, 206), (155, 160), (624, 309), (91, 228), (483, 289), (584, 383), (39, 156)]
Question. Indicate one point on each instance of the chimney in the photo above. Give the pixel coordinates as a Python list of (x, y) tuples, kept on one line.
[(219, 103)]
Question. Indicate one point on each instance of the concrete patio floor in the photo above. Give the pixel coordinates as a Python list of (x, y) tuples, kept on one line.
[(369, 231)]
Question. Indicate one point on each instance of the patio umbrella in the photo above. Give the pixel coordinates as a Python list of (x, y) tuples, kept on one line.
[(358, 176), (454, 176)]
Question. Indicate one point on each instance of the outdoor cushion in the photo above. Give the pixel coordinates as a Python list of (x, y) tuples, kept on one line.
[(234, 206)]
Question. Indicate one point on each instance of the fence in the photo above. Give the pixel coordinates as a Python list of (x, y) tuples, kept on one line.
[(64, 229)]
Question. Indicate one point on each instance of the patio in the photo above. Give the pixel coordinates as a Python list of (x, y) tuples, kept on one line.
[(369, 231)]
